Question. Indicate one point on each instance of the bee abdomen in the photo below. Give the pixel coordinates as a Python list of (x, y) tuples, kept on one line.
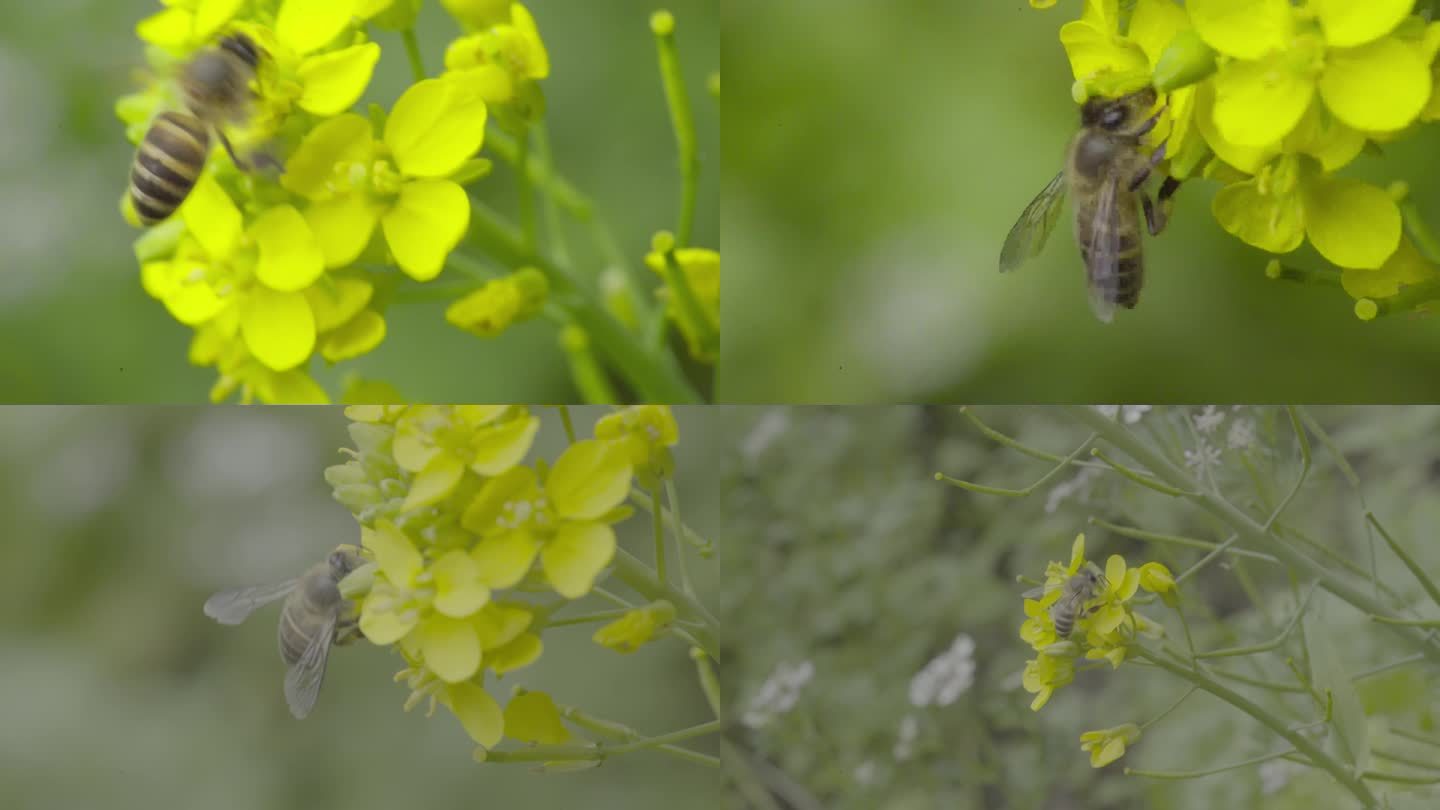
[(1120, 284), (166, 166), (1064, 623)]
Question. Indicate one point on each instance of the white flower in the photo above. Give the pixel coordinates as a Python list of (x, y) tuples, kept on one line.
[(1079, 485), (946, 677), (1202, 457), (1275, 774), (1209, 419), (1242, 434), (778, 694), (865, 773), (1129, 414), (905, 738)]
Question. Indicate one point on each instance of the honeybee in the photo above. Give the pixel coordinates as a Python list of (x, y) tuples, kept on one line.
[(1105, 169), (314, 617), (1079, 588), (216, 86)]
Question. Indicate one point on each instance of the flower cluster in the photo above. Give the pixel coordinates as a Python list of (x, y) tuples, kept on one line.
[(271, 268), (1273, 98), (472, 549), (1105, 623)]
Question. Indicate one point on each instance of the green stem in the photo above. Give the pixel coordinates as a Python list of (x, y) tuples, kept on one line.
[(1304, 468), (1302, 744), (1231, 652), (709, 679), (642, 580), (582, 753), (655, 379), (1419, 230), (412, 50), (1380, 776), (1014, 444), (658, 521), (1272, 685), (1241, 523), (529, 228), (1210, 771), (678, 526), (587, 618), (619, 731), (681, 121), (1406, 622), (1416, 737), (1189, 542), (1404, 760), (1161, 716), (553, 226), (1415, 570), (1383, 668), (567, 422), (585, 370), (1134, 475), (1018, 493), (643, 500), (705, 331)]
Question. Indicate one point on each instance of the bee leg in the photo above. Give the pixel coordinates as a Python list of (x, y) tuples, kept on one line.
[(1148, 166), (230, 150), (1149, 123), (260, 161), (1156, 217), (1168, 189)]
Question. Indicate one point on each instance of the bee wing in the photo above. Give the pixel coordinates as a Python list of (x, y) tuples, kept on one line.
[(1035, 593), (1102, 265), (1027, 237), (302, 682), (233, 606)]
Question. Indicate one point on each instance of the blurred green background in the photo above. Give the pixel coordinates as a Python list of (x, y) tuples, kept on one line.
[(878, 153), (117, 692), (872, 569), (75, 325)]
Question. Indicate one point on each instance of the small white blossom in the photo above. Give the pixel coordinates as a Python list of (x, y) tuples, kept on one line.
[(1129, 414), (1079, 485), (767, 429), (1275, 774), (1202, 457), (778, 694), (866, 772), (905, 738), (947, 676), (1209, 419), (1242, 434)]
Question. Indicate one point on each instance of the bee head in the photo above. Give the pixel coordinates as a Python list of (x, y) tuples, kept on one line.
[(1120, 114), (343, 560)]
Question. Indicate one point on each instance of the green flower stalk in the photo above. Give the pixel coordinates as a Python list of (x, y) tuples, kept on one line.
[(280, 268)]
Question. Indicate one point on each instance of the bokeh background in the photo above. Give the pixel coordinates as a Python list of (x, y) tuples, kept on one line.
[(873, 568), (117, 692), (878, 153), (75, 325)]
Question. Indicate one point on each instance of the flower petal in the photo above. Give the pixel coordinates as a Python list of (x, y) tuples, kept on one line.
[(278, 327), (1351, 223), (305, 25), (1115, 570), (504, 559), (1272, 223), (1258, 103), (459, 593), (500, 447), (450, 647), (433, 129), (343, 226), (1244, 29), (433, 483), (589, 479), (211, 216), (477, 712), (1379, 87), (334, 81), (522, 652), (192, 302), (1356, 22), (576, 556), (1404, 268), (383, 626), (290, 257), (399, 561), (1154, 24), (425, 224), (1093, 52), (337, 302), (345, 139), (360, 336), (499, 624), (482, 514), (210, 15), (533, 718), (293, 387)]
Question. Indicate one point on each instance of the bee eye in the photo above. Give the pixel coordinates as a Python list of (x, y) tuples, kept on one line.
[(1112, 118)]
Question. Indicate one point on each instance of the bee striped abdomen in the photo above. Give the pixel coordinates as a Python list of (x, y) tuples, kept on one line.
[(1120, 283), (169, 161)]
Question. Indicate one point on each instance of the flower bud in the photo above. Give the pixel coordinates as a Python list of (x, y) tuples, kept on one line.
[(1185, 61)]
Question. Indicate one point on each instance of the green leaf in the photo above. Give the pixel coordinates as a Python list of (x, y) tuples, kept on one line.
[(1327, 674), (533, 718)]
